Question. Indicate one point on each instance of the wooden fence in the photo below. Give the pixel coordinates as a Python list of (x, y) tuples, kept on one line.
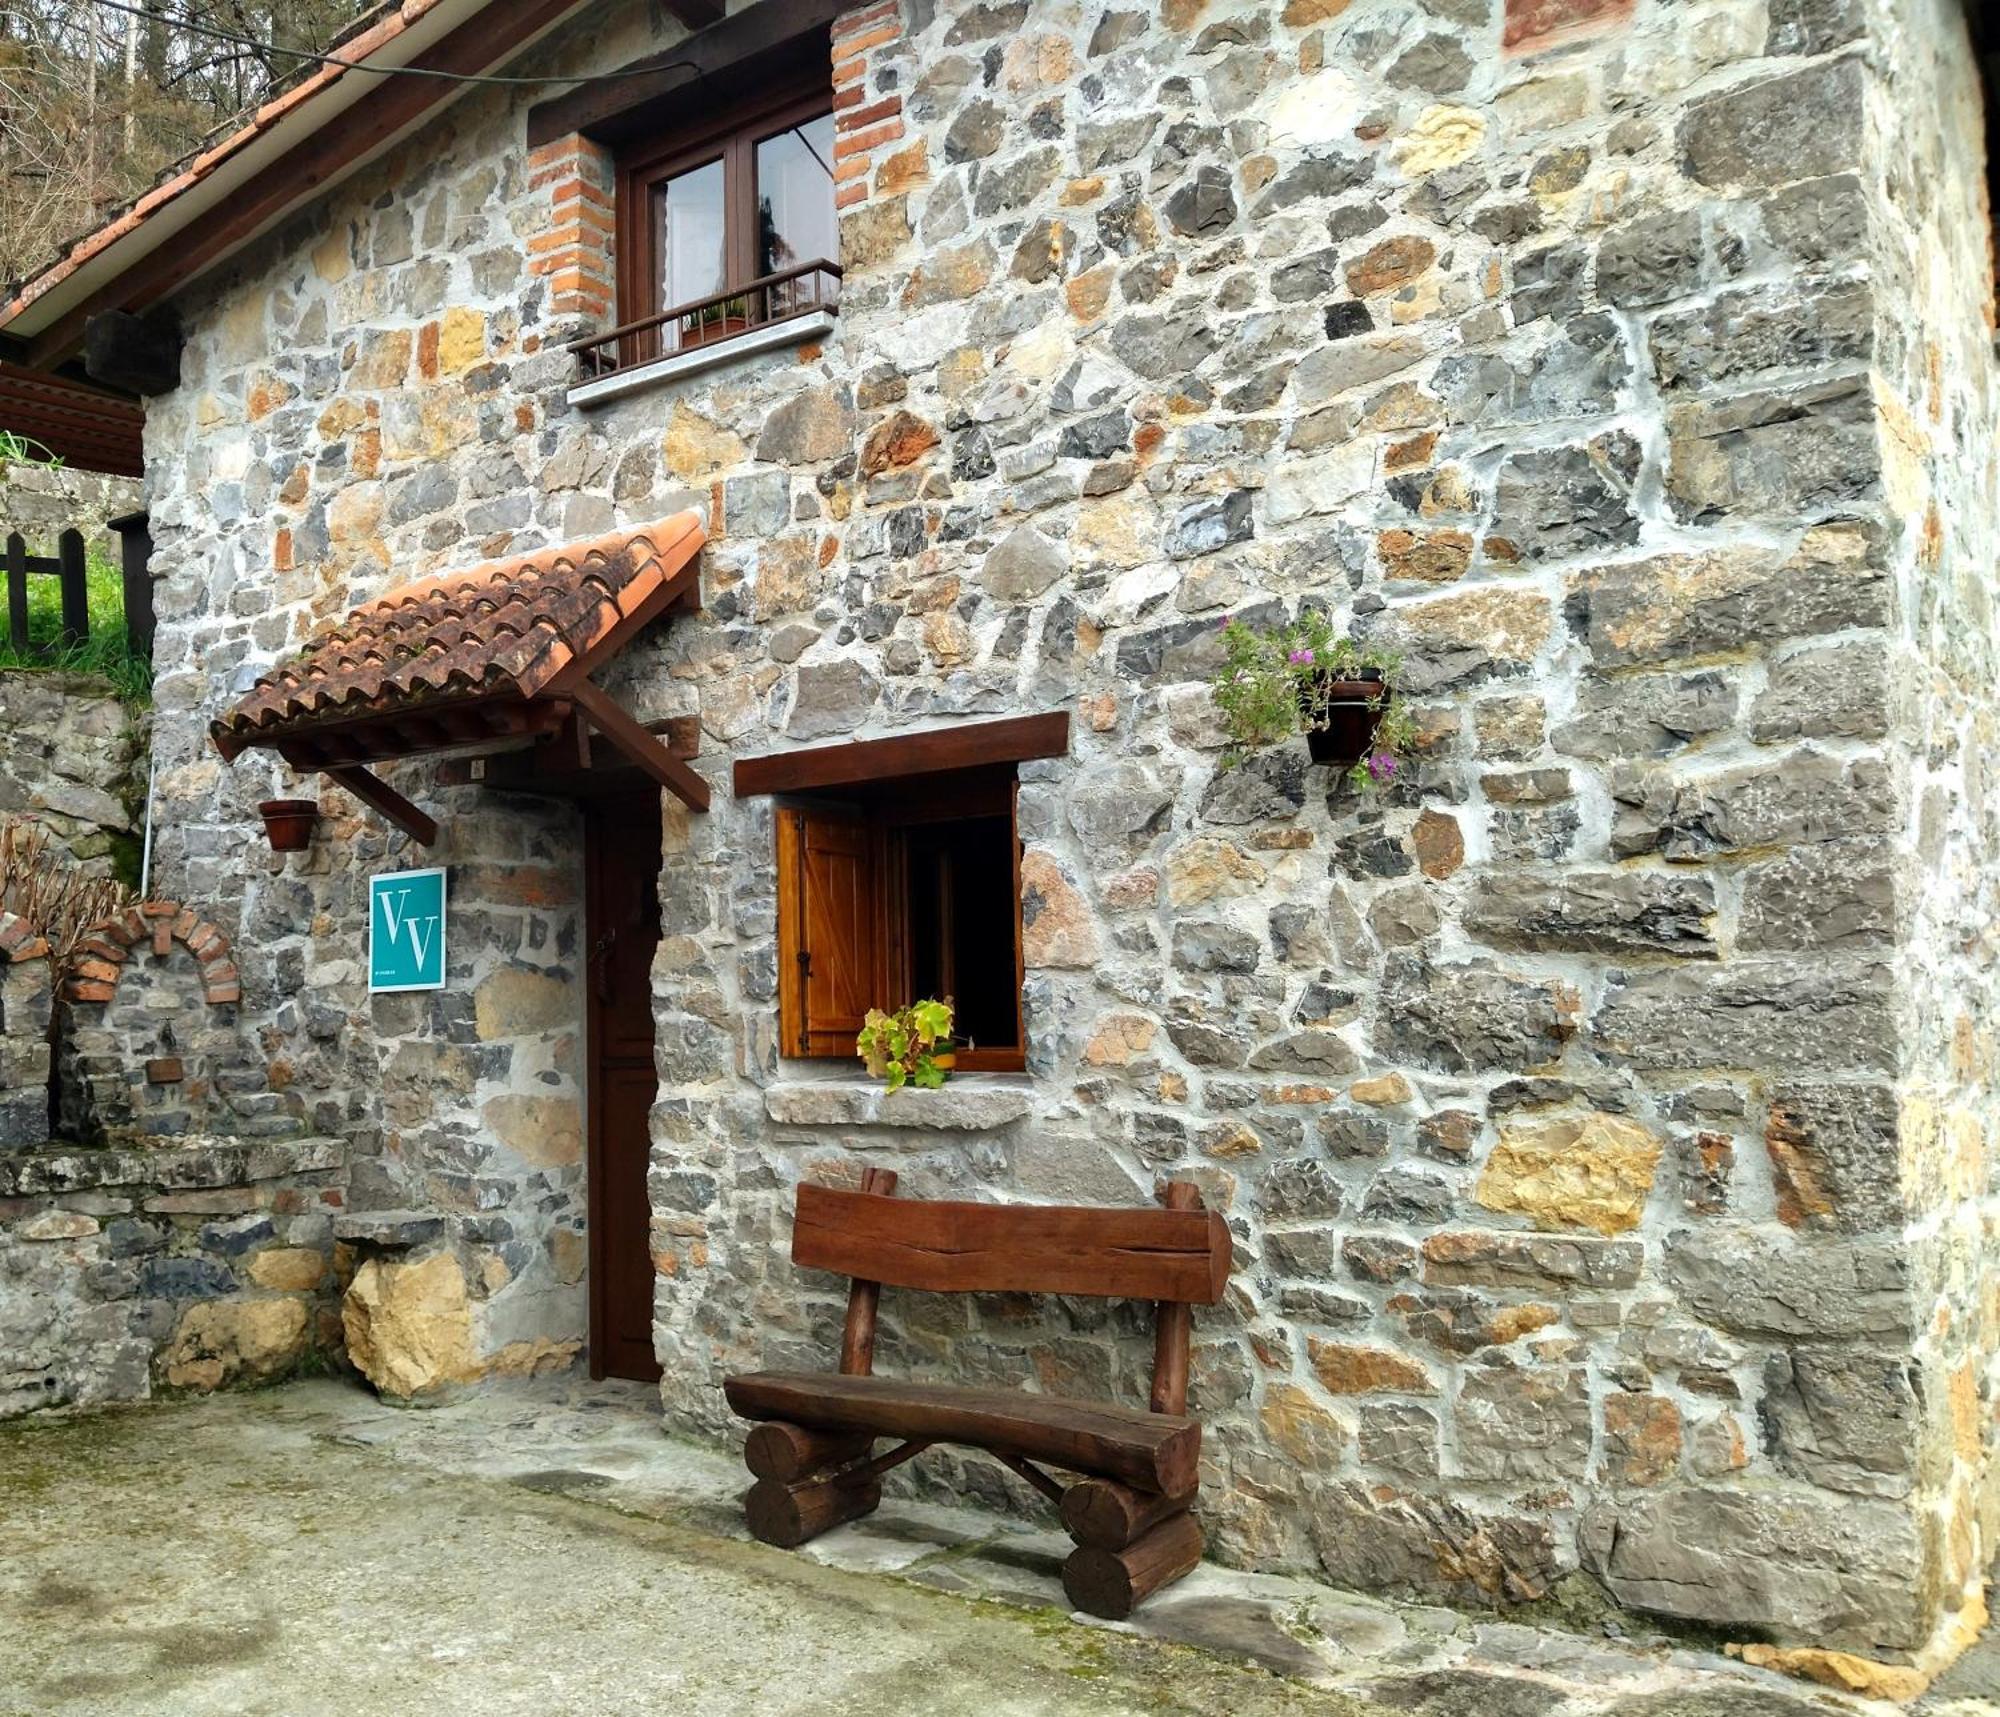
[(68, 567)]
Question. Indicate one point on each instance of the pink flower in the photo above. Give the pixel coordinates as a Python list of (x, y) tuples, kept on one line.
[(1381, 766), (1300, 658)]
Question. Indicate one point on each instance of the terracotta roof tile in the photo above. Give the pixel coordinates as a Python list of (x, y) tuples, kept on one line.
[(507, 627)]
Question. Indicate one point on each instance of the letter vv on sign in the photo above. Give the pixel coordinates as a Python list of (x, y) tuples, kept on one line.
[(406, 931)]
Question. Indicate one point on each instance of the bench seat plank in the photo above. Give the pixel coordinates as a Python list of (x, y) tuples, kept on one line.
[(1149, 1451)]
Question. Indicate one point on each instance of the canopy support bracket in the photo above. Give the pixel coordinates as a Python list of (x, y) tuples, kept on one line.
[(639, 746), (376, 793)]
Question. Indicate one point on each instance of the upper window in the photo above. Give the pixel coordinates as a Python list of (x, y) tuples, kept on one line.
[(892, 891), (729, 227)]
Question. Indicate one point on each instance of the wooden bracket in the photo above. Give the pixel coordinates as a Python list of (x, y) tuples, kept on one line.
[(1049, 1487), (868, 1472), (641, 747), (140, 354), (373, 791)]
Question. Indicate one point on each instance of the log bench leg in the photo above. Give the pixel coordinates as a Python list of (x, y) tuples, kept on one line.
[(1113, 1583), (1102, 1514), (789, 1515), (776, 1450)]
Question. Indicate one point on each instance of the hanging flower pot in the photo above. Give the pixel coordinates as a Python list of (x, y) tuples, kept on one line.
[(1342, 720), (288, 823), (1303, 678)]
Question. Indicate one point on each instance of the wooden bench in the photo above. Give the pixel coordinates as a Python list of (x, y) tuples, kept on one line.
[(1127, 1508)]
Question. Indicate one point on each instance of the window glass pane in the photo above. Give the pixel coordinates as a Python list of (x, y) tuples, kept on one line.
[(795, 217), (688, 208)]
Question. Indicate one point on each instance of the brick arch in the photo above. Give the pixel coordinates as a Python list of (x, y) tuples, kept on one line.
[(109, 944), (18, 941)]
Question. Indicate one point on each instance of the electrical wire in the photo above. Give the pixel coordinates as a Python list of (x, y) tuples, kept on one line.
[(303, 54)]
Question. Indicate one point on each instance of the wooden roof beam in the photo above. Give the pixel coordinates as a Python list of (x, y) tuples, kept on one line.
[(378, 795), (640, 746)]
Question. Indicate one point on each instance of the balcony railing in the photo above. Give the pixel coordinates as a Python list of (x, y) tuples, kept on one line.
[(706, 321)]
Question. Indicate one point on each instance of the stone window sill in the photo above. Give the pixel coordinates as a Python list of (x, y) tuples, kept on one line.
[(970, 1103), (771, 337)]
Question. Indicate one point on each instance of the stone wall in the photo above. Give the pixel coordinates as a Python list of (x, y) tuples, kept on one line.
[(27, 1001), (71, 758), (39, 501), (178, 1267), (1932, 259), (463, 1104), (151, 1046), (1553, 1093)]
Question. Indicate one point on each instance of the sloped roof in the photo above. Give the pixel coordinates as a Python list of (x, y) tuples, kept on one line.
[(504, 632)]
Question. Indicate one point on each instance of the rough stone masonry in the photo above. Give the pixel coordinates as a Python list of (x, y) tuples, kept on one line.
[(1605, 1112)]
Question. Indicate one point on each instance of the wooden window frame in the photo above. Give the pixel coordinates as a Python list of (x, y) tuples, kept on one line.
[(731, 136), (889, 810)]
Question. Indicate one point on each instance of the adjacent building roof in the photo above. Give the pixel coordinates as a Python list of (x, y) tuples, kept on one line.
[(80, 424), (452, 659)]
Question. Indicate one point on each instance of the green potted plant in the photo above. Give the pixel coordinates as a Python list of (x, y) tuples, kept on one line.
[(911, 1046), (716, 322), (1306, 678)]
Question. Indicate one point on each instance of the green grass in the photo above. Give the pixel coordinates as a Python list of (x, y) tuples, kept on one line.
[(107, 651)]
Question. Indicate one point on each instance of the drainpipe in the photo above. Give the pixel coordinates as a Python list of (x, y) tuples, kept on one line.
[(146, 849)]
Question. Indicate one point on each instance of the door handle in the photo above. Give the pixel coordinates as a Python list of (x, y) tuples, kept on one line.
[(600, 964)]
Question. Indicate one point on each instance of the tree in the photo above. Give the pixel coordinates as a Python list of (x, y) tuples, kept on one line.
[(96, 103)]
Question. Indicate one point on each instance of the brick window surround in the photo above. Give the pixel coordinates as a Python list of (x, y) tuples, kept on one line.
[(574, 253)]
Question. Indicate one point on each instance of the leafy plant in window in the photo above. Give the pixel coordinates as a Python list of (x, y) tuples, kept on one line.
[(1306, 678), (716, 321), (911, 1046)]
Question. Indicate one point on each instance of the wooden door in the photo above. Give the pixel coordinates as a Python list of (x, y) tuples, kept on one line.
[(622, 860)]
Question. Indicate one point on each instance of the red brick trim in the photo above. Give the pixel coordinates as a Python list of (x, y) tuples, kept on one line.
[(108, 947), (574, 250), (18, 942), (863, 126)]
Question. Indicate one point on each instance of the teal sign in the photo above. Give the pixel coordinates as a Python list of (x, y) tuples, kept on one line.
[(406, 931)]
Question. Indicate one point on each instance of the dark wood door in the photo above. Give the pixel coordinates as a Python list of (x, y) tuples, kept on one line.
[(622, 857)]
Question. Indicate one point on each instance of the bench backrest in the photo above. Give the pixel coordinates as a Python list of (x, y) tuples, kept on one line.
[(1176, 1257), (947, 1247)]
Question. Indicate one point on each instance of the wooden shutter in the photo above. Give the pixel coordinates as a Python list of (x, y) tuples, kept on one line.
[(831, 961)]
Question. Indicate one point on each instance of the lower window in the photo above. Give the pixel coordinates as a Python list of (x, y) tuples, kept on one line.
[(897, 891)]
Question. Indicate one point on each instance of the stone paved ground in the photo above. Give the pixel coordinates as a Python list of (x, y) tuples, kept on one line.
[(547, 1550)]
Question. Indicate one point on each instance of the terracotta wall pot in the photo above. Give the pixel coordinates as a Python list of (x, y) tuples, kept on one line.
[(1351, 719), (288, 823)]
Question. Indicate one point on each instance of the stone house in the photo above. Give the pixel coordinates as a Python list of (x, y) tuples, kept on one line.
[(1603, 1109)]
